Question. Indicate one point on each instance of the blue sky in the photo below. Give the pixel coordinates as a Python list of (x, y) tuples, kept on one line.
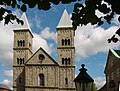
[(91, 47)]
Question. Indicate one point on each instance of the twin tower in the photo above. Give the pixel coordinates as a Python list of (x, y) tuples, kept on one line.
[(39, 71)]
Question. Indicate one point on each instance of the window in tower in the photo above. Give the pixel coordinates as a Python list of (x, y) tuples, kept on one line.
[(63, 42), (17, 60), (41, 80), (66, 80), (20, 61), (62, 60), (66, 61), (68, 41), (18, 43), (69, 61), (21, 43), (23, 60)]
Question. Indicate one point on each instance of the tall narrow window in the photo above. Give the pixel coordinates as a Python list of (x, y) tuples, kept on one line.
[(66, 80), (66, 61), (18, 42), (68, 41), (62, 60), (23, 42), (69, 61), (18, 61), (41, 80), (22, 60), (62, 41)]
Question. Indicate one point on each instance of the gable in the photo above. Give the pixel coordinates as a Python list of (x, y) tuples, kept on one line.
[(113, 59), (40, 57)]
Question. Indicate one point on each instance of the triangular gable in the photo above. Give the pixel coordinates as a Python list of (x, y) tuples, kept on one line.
[(35, 60), (111, 60)]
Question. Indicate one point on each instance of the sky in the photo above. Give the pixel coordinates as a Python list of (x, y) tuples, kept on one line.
[(91, 46)]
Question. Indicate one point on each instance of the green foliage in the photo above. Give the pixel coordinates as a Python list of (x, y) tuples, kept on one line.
[(94, 87)]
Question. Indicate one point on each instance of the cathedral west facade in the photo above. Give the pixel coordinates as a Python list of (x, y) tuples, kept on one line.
[(39, 71)]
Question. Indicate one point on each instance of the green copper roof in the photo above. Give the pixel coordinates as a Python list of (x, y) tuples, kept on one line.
[(115, 53)]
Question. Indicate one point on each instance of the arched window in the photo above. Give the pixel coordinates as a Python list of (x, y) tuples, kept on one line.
[(23, 60), (68, 60), (68, 41), (23, 42), (62, 60), (41, 80), (63, 42), (18, 61), (18, 42), (66, 80)]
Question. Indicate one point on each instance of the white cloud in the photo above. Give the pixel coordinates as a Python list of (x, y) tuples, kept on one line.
[(90, 40), (8, 73), (6, 44), (115, 20), (35, 21), (38, 42), (99, 81), (9, 83), (47, 34)]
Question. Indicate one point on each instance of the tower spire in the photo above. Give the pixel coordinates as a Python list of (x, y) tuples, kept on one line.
[(65, 20), (25, 24)]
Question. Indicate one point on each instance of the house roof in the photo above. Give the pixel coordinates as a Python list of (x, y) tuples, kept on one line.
[(25, 25), (4, 87), (65, 20), (116, 53)]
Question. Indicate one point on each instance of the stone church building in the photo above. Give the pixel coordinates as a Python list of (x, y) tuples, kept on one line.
[(39, 71)]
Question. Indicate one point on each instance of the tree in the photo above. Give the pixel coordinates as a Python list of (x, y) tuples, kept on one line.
[(83, 13)]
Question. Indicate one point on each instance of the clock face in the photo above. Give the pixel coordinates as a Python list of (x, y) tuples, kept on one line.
[(41, 57)]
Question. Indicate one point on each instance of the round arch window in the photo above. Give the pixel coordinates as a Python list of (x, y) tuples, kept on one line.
[(41, 57)]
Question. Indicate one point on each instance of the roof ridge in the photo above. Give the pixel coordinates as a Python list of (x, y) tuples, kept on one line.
[(115, 53)]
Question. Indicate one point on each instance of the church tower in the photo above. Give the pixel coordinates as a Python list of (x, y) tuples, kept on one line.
[(21, 52), (65, 38)]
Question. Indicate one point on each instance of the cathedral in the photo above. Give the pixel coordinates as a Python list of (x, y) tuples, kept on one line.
[(39, 71)]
